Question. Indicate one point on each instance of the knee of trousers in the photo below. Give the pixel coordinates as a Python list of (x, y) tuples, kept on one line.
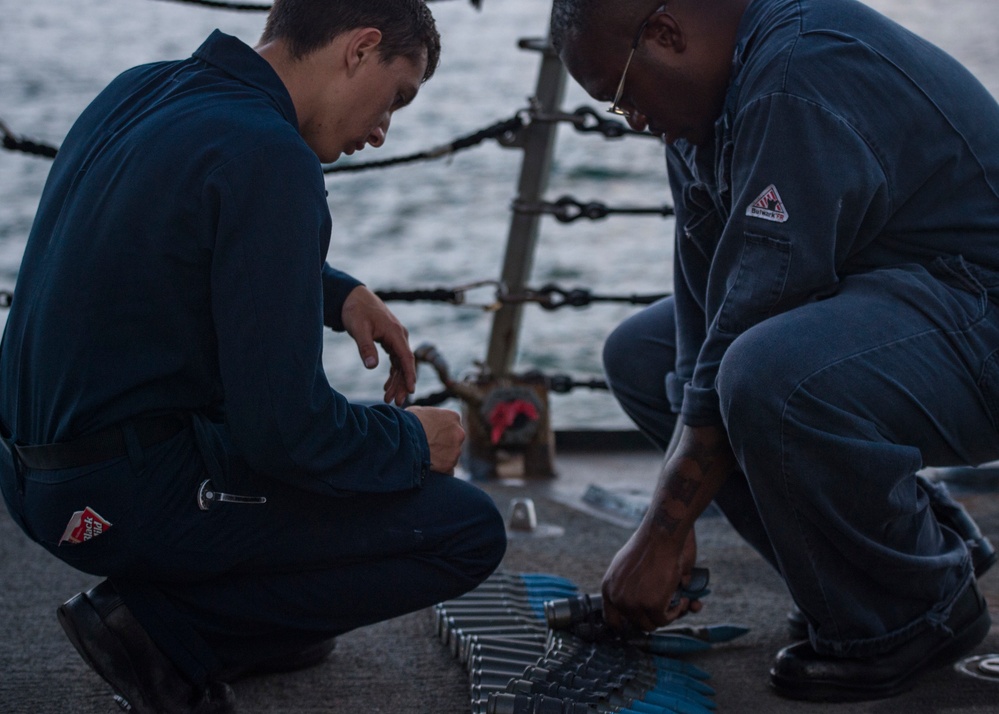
[(618, 349), (636, 360), (483, 544), (756, 378), (494, 541)]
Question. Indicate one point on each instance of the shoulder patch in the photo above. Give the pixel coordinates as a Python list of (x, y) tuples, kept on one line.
[(769, 206)]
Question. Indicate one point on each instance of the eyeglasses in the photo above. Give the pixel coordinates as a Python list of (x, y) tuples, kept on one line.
[(614, 108)]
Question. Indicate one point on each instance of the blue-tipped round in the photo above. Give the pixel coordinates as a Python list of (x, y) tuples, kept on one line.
[(679, 705), (667, 680), (666, 664), (667, 697), (707, 633), (646, 708), (669, 644)]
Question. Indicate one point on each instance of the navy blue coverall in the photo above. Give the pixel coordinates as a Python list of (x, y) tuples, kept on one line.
[(177, 266), (835, 310)]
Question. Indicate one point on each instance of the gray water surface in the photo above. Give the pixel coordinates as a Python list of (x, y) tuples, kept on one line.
[(441, 223)]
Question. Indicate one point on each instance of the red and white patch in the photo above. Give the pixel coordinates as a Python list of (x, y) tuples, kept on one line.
[(83, 526), (769, 206)]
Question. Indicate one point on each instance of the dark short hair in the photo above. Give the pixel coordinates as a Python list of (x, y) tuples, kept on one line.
[(407, 26), (570, 18)]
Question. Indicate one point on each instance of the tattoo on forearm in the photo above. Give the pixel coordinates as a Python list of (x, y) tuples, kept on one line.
[(682, 489), (666, 521), (704, 457)]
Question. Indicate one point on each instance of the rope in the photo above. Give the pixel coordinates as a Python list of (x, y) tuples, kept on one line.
[(435, 295), (500, 129), (15, 143), (455, 296)]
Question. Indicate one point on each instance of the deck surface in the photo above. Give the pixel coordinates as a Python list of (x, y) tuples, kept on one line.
[(399, 667)]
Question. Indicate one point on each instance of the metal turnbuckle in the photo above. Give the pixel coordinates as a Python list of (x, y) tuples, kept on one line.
[(492, 306)]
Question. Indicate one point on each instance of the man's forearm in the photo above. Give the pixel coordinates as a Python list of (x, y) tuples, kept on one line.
[(690, 479)]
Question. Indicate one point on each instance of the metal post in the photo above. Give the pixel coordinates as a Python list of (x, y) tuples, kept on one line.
[(538, 143)]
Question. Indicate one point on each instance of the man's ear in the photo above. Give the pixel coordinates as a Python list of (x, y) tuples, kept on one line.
[(362, 45), (665, 31)]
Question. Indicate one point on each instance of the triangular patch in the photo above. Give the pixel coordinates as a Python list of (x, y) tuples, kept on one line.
[(769, 206)]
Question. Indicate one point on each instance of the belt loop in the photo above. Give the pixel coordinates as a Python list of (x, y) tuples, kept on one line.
[(213, 454), (8, 443), (18, 472), (136, 455), (18, 467)]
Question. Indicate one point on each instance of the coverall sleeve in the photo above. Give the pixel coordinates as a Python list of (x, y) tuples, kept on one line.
[(698, 218), (808, 192), (267, 297), (336, 287)]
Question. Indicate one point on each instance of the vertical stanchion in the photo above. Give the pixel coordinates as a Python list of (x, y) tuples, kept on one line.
[(538, 143)]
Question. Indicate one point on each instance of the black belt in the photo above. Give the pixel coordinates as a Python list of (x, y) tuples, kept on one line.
[(100, 446)]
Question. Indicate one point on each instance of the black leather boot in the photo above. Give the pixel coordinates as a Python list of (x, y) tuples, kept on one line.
[(144, 680), (799, 672)]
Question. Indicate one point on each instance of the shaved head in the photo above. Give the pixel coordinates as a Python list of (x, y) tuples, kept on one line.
[(572, 19), (665, 64)]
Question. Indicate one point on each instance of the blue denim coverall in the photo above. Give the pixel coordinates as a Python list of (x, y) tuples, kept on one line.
[(836, 272), (177, 265)]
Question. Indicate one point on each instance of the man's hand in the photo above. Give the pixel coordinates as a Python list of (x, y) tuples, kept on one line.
[(648, 570), (368, 320), (641, 581), (444, 435)]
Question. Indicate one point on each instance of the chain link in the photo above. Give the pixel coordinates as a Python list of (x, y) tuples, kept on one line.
[(549, 297), (584, 120), (568, 209), (11, 142), (552, 297), (504, 131), (454, 296), (588, 120)]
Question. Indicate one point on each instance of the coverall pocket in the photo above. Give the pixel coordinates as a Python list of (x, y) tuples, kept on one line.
[(758, 285), (988, 382), (957, 273), (78, 514), (703, 231)]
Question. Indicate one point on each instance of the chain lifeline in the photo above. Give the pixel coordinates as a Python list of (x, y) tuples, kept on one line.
[(584, 120), (587, 120), (12, 142), (556, 384), (568, 209), (548, 297), (503, 130)]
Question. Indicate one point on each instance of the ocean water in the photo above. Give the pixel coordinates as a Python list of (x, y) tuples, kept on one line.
[(434, 224)]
